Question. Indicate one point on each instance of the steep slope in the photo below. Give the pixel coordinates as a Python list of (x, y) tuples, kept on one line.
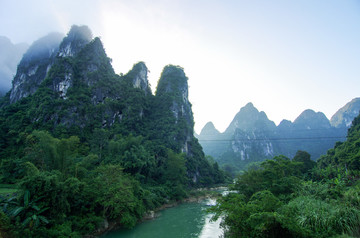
[(34, 66), (173, 122), (251, 136), (80, 95), (345, 155), (345, 115), (50, 50), (172, 94), (138, 77)]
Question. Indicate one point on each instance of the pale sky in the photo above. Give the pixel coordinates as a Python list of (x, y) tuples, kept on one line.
[(284, 56)]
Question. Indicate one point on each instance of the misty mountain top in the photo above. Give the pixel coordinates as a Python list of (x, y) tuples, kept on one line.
[(9, 59)]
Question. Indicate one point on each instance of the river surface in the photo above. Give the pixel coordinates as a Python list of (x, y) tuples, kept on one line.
[(187, 220)]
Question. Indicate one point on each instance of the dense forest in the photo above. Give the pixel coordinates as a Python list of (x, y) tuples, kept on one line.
[(297, 197), (83, 149)]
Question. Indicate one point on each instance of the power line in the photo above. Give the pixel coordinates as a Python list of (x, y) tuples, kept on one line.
[(277, 139)]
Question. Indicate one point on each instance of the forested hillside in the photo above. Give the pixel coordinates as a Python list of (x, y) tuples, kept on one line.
[(297, 197), (83, 149)]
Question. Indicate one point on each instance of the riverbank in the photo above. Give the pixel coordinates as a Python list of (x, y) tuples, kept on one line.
[(195, 195), (186, 220)]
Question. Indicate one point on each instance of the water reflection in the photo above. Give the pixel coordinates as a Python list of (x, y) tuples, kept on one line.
[(211, 229), (188, 220)]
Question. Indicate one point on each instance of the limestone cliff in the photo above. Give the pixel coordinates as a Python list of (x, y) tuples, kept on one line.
[(34, 66), (345, 115), (173, 88), (138, 76), (251, 136), (77, 92), (42, 55)]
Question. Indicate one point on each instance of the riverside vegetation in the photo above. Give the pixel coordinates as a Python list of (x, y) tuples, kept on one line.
[(297, 197)]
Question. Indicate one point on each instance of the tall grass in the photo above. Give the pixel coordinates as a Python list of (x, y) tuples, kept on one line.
[(324, 219)]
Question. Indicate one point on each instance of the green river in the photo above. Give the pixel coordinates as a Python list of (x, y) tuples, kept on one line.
[(187, 220)]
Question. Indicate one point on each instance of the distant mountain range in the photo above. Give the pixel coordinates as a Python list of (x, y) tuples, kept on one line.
[(252, 137), (9, 58)]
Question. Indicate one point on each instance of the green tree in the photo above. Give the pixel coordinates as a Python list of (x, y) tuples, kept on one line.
[(29, 212), (304, 157), (119, 195), (99, 141), (175, 174), (132, 155)]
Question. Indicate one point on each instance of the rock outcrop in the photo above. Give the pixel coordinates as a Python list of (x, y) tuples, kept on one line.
[(34, 66), (345, 115), (138, 76), (42, 55), (173, 88), (251, 136), (72, 89), (77, 38)]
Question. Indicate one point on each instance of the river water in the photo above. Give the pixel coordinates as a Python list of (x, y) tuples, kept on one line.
[(187, 220)]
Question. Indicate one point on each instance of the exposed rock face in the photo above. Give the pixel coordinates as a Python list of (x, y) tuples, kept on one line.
[(248, 138), (43, 54), (345, 115), (73, 89), (250, 133), (251, 136), (76, 39), (34, 66), (9, 59), (173, 87), (139, 77)]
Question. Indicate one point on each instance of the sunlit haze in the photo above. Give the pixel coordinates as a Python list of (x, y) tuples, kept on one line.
[(283, 56)]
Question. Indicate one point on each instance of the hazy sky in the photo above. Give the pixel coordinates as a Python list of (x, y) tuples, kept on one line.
[(285, 56)]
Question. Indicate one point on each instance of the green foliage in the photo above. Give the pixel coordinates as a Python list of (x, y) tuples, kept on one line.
[(255, 218), (29, 212), (121, 195), (321, 218), (278, 198), (304, 158), (5, 226), (49, 153), (132, 155), (100, 150), (280, 176), (345, 155)]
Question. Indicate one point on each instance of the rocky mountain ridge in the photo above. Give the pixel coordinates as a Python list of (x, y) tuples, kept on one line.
[(70, 87), (345, 115), (252, 137)]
